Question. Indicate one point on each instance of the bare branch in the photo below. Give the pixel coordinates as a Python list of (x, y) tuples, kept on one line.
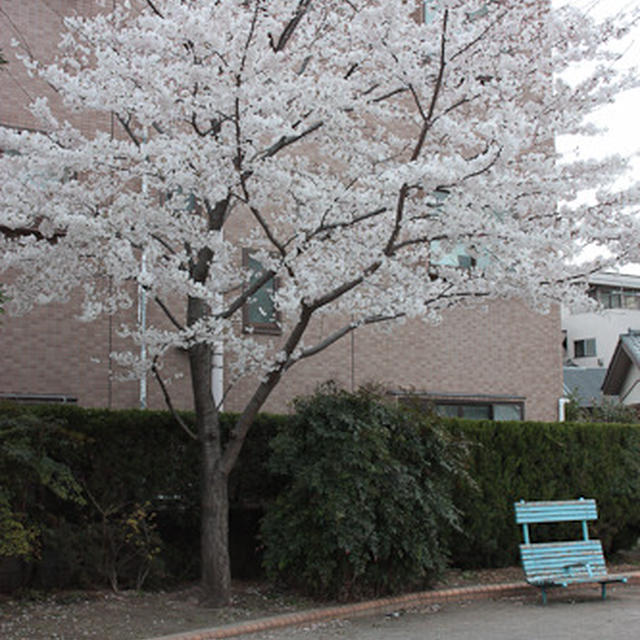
[(127, 128), (246, 294), (154, 9), (340, 333), (324, 228), (416, 99), (167, 399), (479, 37), (164, 243), (252, 28), (344, 288), (244, 421), (402, 197), (436, 90), (168, 313), (285, 141), (288, 31), (390, 94)]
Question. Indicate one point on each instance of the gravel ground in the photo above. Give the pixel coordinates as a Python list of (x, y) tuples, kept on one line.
[(129, 615), (104, 615), (568, 615)]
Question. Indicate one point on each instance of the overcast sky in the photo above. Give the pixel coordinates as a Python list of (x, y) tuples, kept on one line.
[(621, 119)]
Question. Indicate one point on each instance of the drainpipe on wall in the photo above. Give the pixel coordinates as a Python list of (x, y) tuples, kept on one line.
[(142, 315), (562, 409), (217, 373), (142, 324), (217, 362)]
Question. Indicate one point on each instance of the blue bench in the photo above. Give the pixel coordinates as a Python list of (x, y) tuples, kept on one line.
[(559, 564)]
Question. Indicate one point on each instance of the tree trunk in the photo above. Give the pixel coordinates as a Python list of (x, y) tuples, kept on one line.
[(214, 528), (214, 535)]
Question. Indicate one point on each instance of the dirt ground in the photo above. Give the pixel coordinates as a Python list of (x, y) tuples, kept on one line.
[(104, 615)]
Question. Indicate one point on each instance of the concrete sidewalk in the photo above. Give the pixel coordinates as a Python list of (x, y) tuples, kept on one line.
[(501, 611), (567, 616)]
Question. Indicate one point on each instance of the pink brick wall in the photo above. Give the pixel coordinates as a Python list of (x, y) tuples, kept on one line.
[(499, 349)]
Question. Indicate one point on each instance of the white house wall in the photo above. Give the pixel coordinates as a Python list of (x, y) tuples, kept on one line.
[(630, 393), (605, 326)]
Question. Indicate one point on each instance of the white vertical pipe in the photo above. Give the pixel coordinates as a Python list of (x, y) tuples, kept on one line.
[(217, 362), (142, 315), (142, 325)]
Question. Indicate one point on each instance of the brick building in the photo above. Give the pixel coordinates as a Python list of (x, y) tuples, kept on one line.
[(500, 360)]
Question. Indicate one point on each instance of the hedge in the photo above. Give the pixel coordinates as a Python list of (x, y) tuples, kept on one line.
[(140, 473), (511, 461)]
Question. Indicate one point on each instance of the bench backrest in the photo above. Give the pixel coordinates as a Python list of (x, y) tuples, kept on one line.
[(561, 511), (553, 561)]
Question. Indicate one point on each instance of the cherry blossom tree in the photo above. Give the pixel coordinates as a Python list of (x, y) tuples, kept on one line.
[(384, 165)]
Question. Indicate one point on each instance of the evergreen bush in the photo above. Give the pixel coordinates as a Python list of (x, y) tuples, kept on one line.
[(511, 461), (367, 496)]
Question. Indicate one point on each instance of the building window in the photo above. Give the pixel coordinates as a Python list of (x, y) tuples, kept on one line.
[(497, 411), (498, 408), (259, 313), (616, 297), (584, 348)]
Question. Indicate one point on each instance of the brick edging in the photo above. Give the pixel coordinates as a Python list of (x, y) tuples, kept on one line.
[(367, 607)]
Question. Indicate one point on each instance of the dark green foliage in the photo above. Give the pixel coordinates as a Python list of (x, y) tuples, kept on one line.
[(31, 481), (138, 475), (97, 496), (607, 410), (545, 461), (367, 497)]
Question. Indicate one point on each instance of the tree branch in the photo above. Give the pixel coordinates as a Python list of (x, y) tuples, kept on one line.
[(337, 335), (288, 31), (390, 94), (168, 313), (436, 90), (246, 294), (324, 228), (285, 141), (167, 399), (242, 425), (344, 288), (402, 196), (481, 36), (127, 128), (154, 9)]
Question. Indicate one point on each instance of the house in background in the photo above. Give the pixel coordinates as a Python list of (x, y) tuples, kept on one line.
[(591, 337), (623, 375), (498, 361)]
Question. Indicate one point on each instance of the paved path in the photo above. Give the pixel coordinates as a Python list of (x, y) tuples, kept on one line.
[(569, 615)]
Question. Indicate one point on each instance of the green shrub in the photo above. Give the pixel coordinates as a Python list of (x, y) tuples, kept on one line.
[(26, 469), (367, 496), (511, 461), (119, 461), (606, 410)]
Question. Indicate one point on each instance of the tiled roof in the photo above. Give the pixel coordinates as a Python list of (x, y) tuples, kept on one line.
[(585, 383), (631, 344)]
